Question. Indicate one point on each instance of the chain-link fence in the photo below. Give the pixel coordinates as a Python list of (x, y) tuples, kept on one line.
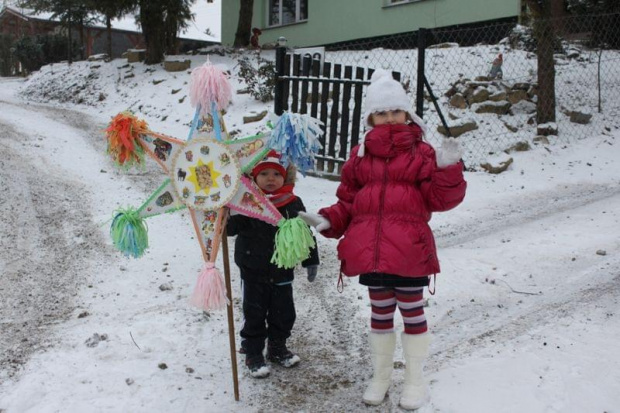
[(494, 84)]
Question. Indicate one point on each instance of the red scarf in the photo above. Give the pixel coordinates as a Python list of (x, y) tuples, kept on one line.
[(282, 196)]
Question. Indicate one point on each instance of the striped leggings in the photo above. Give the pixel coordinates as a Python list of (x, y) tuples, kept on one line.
[(383, 301)]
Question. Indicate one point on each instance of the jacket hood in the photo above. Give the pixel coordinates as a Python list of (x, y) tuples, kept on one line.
[(386, 141)]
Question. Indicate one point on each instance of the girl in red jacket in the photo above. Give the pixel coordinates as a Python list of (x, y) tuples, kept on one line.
[(389, 188)]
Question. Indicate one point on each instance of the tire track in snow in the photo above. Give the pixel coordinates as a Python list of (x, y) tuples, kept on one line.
[(519, 323), (523, 209), (47, 243)]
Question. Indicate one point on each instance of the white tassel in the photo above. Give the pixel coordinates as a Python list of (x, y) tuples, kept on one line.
[(362, 149)]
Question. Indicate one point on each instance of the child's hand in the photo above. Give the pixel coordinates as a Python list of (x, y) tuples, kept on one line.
[(315, 220), (312, 272), (449, 153)]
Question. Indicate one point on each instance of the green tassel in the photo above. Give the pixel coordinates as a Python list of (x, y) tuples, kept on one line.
[(293, 243), (129, 232)]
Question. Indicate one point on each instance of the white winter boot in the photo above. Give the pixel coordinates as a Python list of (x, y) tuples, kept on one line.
[(382, 355), (415, 389)]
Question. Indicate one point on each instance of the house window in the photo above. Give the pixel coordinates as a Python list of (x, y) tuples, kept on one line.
[(283, 12)]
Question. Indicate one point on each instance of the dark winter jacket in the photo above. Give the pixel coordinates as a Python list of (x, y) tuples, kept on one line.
[(254, 246), (385, 201)]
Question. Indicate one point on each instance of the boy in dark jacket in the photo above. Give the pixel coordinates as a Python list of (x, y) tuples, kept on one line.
[(268, 306)]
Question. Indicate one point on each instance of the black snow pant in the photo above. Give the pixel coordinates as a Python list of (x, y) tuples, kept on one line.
[(269, 312)]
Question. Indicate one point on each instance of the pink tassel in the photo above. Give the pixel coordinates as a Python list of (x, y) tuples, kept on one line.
[(209, 84), (210, 291)]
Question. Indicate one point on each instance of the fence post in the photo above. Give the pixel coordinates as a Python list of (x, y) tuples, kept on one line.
[(278, 92), (419, 97)]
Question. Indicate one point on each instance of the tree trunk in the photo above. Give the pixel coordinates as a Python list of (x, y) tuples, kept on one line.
[(244, 24), (108, 25), (151, 19), (70, 43), (559, 14), (82, 41), (171, 28), (545, 38)]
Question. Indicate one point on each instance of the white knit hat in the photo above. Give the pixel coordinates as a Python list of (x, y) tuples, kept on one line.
[(384, 93)]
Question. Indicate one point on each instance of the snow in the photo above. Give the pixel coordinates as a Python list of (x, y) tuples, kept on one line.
[(524, 317)]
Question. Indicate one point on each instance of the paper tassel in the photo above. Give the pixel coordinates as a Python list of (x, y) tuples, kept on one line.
[(210, 291), (296, 137), (208, 85), (293, 243), (122, 134), (129, 232)]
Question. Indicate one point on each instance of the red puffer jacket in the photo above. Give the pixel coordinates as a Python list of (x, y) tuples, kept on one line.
[(385, 201)]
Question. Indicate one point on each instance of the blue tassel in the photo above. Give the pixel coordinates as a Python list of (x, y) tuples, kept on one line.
[(296, 137)]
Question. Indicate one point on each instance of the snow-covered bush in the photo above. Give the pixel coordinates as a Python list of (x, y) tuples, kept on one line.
[(260, 78)]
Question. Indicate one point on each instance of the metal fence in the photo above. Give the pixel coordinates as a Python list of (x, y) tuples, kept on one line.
[(491, 104)]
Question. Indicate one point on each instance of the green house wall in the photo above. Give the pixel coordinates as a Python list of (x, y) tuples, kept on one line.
[(332, 21)]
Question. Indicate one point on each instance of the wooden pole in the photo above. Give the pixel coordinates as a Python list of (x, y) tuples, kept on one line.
[(229, 309)]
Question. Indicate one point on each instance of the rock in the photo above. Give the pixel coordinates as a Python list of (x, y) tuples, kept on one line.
[(177, 65), (101, 57), (547, 129), (158, 81), (129, 382), (601, 252), (523, 107), (83, 314), (162, 366), (511, 128), (166, 287), (452, 91), (521, 86), (497, 164), (581, 118), (499, 108), (479, 95), (518, 95), (95, 340), (458, 101), (498, 96), (254, 118), (136, 55), (458, 128), (446, 45), (522, 146)]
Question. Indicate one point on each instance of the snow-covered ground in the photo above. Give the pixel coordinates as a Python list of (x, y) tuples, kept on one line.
[(524, 316)]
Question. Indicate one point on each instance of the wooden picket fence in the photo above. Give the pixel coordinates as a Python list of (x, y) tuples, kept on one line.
[(329, 92)]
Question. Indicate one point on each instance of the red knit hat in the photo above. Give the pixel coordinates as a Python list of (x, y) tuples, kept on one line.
[(271, 161)]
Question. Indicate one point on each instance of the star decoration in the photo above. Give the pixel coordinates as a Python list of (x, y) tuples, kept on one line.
[(208, 175)]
